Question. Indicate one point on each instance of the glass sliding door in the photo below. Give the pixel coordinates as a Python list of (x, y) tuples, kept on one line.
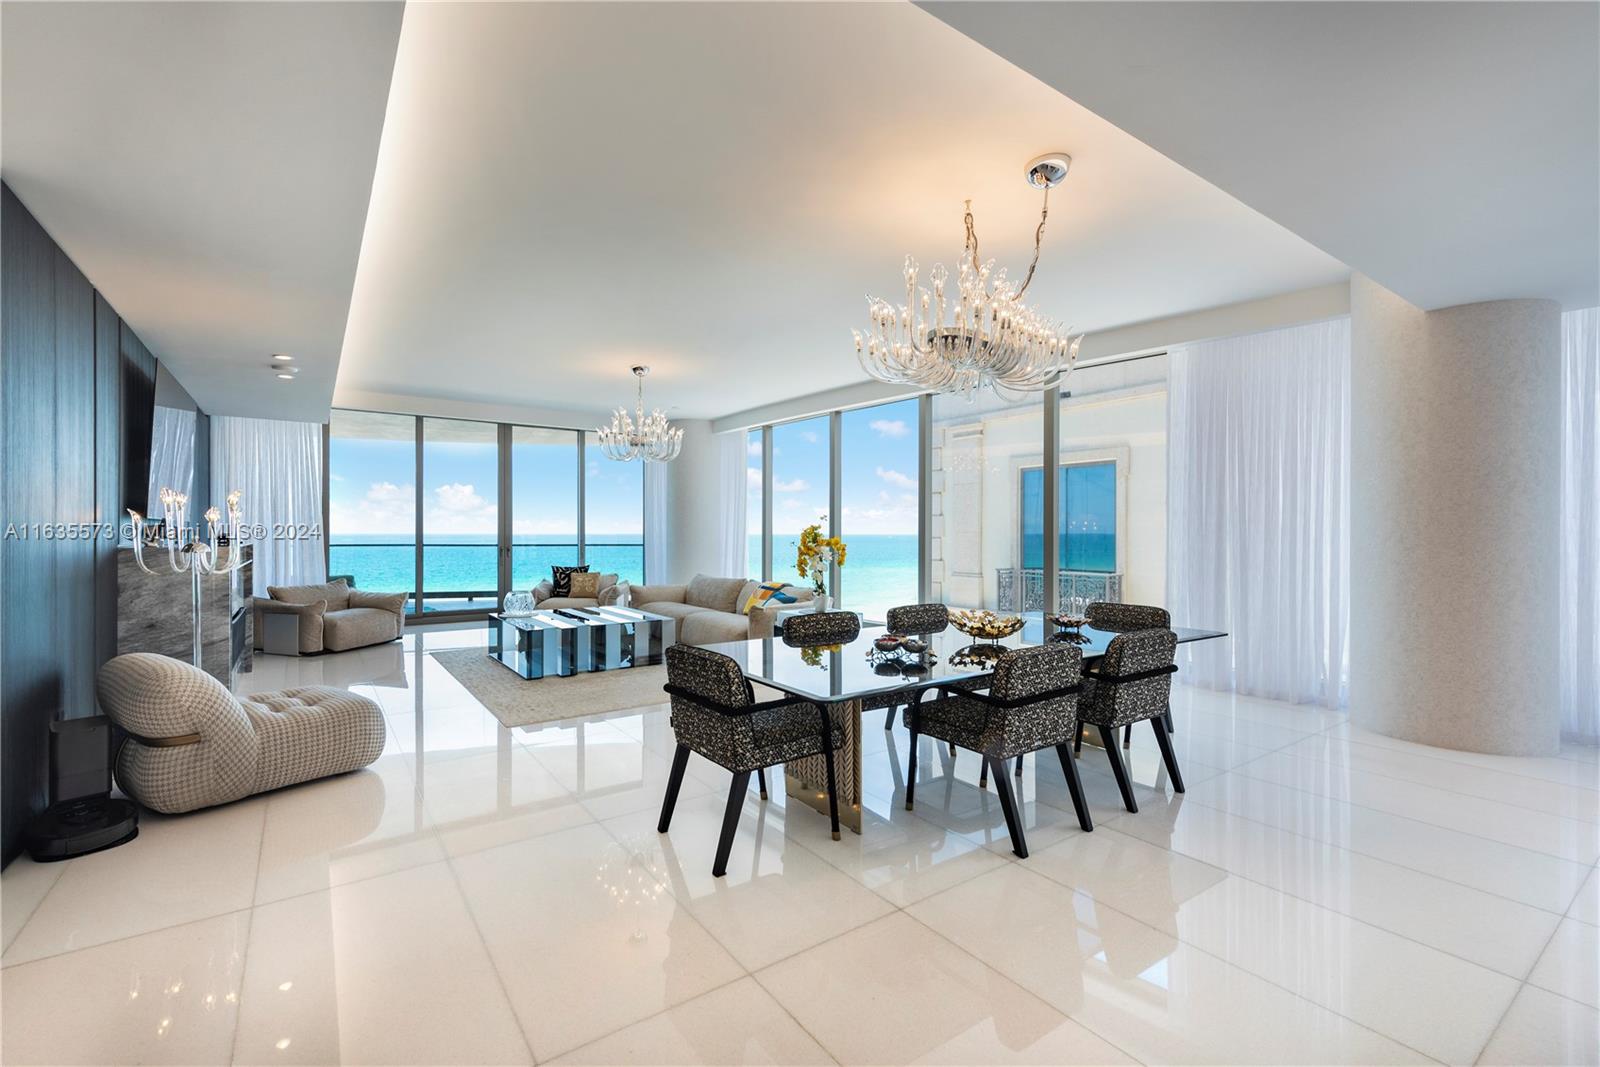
[(879, 514), (460, 515), (372, 497), (1113, 514), (755, 505), (988, 518), (800, 477), (613, 497), (544, 503)]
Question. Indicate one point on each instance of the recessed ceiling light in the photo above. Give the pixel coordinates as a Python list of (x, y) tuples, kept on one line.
[(287, 377), (281, 358)]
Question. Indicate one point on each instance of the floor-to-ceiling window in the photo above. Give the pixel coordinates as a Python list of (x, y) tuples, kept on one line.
[(478, 540), (460, 515), (372, 496), (982, 449), (878, 489), (800, 478), (755, 504), (613, 521), (544, 503)]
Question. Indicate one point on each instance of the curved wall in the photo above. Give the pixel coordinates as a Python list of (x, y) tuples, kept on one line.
[(1455, 518)]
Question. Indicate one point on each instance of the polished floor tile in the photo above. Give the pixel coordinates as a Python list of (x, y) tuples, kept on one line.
[(1571, 964), (343, 829), (178, 869), (896, 992), (485, 894), (1151, 995), (1543, 1028), (22, 886), (585, 936), (165, 997), (739, 1023), (1489, 930), (778, 896), (1516, 873), (388, 970)]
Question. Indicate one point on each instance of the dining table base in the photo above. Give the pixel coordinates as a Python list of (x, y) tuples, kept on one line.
[(806, 780)]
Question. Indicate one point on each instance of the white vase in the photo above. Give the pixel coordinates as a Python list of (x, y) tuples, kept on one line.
[(820, 602)]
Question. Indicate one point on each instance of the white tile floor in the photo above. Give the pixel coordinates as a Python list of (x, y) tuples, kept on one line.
[(483, 895)]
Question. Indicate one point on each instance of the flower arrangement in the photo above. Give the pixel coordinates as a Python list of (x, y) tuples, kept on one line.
[(812, 655), (815, 554)]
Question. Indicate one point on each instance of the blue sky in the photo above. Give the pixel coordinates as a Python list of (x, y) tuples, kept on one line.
[(879, 470), (373, 490)]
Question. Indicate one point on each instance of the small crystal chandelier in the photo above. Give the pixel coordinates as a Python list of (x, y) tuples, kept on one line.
[(990, 338), (651, 439)]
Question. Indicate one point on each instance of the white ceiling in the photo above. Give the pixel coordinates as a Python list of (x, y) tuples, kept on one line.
[(1450, 151), (567, 189), (208, 167)]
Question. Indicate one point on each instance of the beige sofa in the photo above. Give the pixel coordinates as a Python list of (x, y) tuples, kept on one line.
[(708, 609), (544, 599), (334, 617)]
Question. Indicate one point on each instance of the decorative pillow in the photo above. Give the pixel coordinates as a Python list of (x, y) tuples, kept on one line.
[(561, 579), (584, 584), (769, 593)]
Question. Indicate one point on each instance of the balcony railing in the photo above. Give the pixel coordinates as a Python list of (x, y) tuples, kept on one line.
[(1022, 588), (461, 576)]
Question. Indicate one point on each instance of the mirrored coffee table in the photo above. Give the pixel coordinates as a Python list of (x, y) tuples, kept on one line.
[(568, 641)]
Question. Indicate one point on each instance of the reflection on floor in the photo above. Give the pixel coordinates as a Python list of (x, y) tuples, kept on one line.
[(487, 895)]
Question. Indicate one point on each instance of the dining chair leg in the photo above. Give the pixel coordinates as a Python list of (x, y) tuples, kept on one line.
[(680, 761), (1077, 741), (911, 763), (1167, 755), (1127, 736), (833, 785), (1108, 734), (761, 783), (952, 750), (730, 822), (1019, 766), (888, 719), (1166, 717), (983, 773), (1069, 767), (1008, 805)]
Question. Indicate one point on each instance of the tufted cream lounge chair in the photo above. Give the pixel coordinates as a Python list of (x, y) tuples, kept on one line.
[(191, 744)]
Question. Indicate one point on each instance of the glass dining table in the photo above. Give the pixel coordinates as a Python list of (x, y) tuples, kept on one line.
[(851, 674)]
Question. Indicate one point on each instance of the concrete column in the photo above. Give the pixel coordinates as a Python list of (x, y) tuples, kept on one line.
[(1455, 521)]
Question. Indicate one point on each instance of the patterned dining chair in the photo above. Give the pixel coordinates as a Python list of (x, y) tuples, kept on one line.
[(1032, 704), (908, 620), (1132, 681), (715, 715), (821, 628), (1125, 618)]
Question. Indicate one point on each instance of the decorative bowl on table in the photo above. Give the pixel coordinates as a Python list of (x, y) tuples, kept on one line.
[(985, 625), (888, 643), (912, 645), (1068, 621), (517, 604), (981, 655)]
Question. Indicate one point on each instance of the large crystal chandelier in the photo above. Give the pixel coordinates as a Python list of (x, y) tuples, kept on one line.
[(986, 336), (649, 438)]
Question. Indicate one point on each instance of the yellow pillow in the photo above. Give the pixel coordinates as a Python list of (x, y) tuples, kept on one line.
[(586, 584), (769, 592)]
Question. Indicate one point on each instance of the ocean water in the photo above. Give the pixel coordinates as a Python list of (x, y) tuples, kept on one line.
[(880, 572)]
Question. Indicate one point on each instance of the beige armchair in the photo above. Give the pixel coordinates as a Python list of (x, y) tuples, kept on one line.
[(333, 617)]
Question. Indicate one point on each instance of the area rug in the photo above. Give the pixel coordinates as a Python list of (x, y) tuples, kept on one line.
[(516, 701)]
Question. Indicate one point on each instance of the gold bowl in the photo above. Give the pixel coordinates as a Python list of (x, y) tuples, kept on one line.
[(985, 624)]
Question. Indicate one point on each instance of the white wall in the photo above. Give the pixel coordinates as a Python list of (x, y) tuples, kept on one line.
[(693, 506)]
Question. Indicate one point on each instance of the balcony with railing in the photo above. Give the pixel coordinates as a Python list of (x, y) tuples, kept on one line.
[(1022, 588), (464, 576)]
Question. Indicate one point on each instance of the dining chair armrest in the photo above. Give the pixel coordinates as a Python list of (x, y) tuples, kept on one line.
[(1138, 676), (729, 709), (1005, 704)]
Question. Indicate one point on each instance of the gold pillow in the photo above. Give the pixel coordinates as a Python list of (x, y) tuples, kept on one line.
[(586, 584)]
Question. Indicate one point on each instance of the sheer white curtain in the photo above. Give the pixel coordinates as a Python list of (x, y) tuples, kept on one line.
[(733, 480), (1580, 526), (1258, 534), (657, 536), (277, 466), (172, 458)]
